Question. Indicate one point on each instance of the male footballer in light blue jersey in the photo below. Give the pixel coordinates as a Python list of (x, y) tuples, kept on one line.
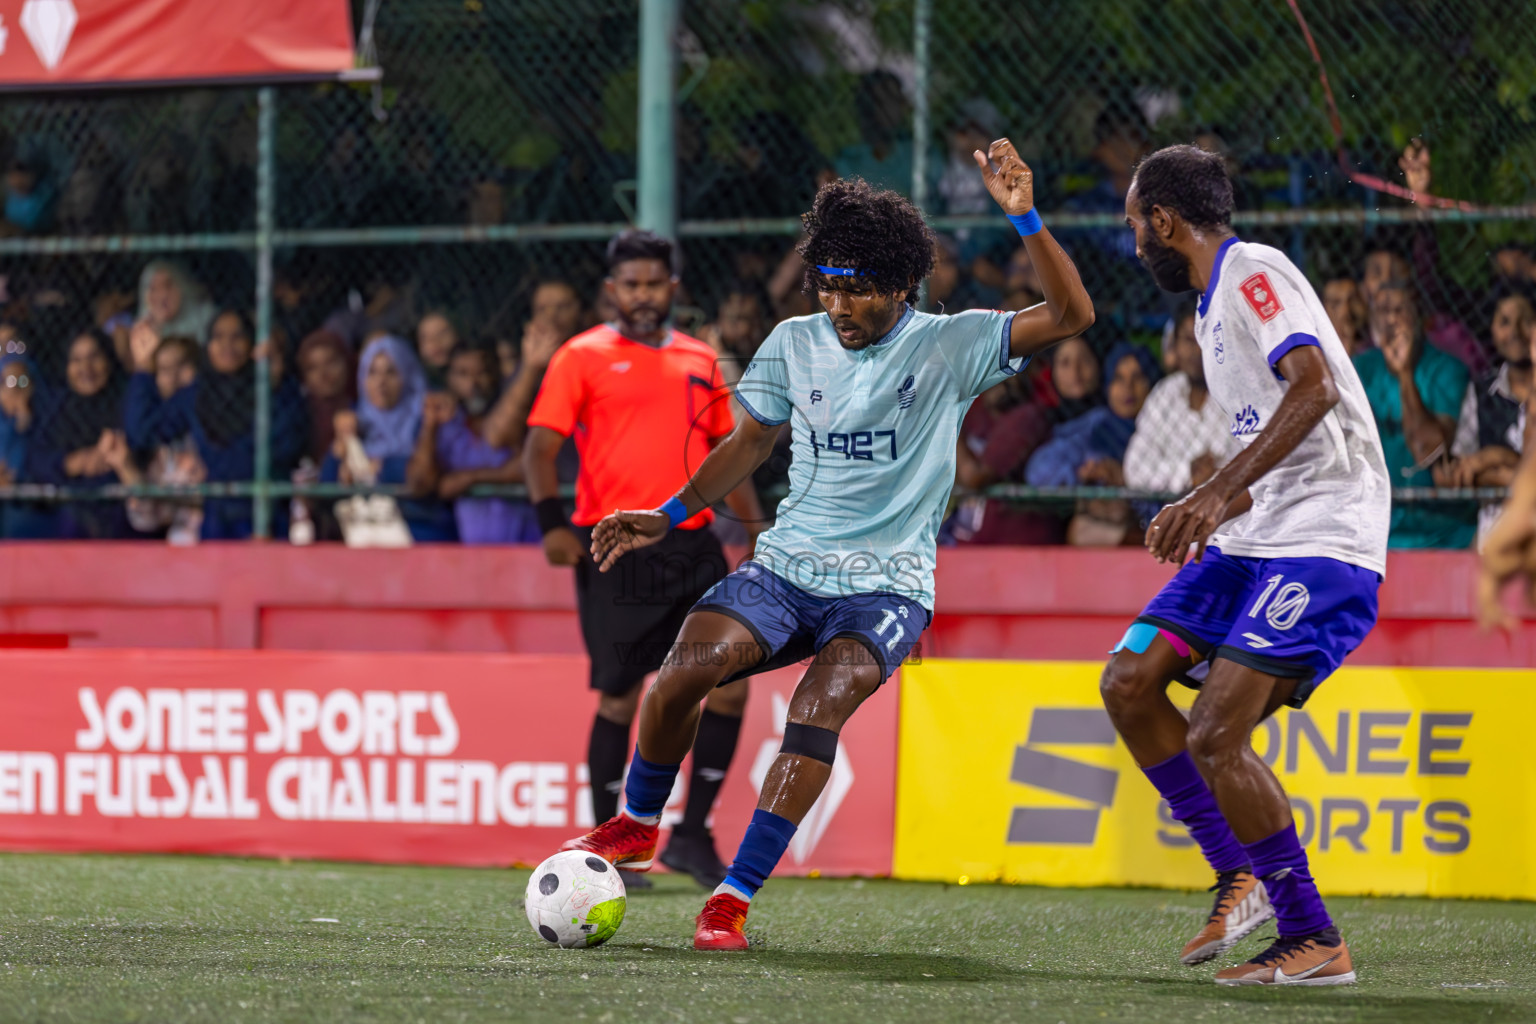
[(874, 392)]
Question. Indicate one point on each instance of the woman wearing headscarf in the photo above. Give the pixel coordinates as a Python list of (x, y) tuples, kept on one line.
[(219, 409), (75, 427), (171, 302), (1088, 450), (391, 389)]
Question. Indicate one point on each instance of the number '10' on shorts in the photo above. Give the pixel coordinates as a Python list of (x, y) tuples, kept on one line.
[(1296, 618)]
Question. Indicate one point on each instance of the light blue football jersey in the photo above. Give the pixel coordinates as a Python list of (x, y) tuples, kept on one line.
[(874, 435)]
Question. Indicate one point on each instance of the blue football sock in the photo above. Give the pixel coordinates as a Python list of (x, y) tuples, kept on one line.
[(1191, 802), (766, 840), (647, 787), (1282, 863)]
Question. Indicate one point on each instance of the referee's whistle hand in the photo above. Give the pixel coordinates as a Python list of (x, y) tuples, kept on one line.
[(619, 533), (563, 547)]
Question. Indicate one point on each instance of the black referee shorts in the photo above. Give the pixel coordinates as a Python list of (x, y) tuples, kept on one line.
[(631, 614)]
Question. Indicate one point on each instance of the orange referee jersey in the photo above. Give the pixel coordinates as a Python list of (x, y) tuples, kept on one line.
[(644, 417)]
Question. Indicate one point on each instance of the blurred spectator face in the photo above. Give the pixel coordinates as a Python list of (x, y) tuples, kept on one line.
[(229, 347), (384, 384), (10, 340), (89, 368), (1075, 371), (642, 293), (967, 139), (506, 358), (1381, 266), (470, 381), (164, 297), (1128, 388), (435, 339), (603, 306), (741, 323), (1394, 310), (174, 368), (1187, 356), (557, 304), (20, 181), (324, 370), (15, 387), (1514, 264), (1346, 310), (1512, 324)]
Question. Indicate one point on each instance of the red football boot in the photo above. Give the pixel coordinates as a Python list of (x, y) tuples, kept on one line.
[(620, 840), (719, 924)]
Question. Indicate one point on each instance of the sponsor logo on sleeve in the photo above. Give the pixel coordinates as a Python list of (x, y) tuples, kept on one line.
[(1261, 297)]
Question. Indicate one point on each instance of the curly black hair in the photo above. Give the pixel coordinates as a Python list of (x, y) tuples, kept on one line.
[(1188, 180), (880, 233)]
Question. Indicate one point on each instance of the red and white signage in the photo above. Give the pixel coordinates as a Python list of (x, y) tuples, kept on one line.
[(137, 42), (424, 758)]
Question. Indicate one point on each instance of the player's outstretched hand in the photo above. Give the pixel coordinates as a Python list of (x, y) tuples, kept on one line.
[(1186, 523), (622, 532), (1008, 178)]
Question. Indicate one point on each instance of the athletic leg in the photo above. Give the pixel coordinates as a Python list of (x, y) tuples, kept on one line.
[(608, 748), (1181, 625), (1234, 700), (711, 647), (844, 674), (691, 850)]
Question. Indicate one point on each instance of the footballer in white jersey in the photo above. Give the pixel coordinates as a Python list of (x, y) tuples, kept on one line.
[(1282, 552)]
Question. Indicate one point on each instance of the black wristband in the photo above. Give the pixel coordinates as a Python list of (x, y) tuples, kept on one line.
[(551, 512)]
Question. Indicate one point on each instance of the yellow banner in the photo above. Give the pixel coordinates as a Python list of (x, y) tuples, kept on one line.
[(1403, 781)]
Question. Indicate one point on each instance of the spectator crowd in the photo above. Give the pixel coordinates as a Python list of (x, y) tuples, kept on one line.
[(380, 390)]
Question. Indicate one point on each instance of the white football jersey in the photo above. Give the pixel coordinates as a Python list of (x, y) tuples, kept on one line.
[(1330, 497)]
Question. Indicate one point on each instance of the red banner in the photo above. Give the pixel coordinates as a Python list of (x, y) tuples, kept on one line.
[(422, 758), (136, 42)]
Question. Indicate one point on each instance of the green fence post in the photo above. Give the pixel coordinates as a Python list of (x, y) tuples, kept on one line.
[(261, 511), (922, 127), (657, 192)]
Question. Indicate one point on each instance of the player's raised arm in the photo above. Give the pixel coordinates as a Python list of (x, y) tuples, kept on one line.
[(722, 471), (1067, 310)]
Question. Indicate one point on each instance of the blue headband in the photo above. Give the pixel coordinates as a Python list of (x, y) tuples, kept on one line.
[(840, 271)]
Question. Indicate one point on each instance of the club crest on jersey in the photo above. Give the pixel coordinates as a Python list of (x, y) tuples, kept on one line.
[(1245, 422), (907, 393), (1261, 297)]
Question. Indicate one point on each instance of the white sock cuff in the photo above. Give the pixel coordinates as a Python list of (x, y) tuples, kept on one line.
[(727, 889)]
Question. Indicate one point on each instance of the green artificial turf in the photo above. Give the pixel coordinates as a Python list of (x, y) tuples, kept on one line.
[(98, 938)]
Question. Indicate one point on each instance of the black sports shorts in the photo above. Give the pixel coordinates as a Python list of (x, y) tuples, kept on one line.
[(631, 614)]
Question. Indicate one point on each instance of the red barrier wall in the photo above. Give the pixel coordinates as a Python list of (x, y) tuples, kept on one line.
[(438, 758), (1027, 603)]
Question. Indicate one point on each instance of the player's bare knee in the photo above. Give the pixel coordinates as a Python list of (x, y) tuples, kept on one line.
[(693, 669), (1216, 744), (828, 697), (1128, 681)]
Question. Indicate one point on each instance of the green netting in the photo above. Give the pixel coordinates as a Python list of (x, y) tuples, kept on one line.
[(500, 150)]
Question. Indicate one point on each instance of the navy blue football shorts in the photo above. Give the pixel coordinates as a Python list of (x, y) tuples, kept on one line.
[(792, 625)]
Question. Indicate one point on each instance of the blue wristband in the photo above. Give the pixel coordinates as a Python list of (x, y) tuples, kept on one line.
[(1028, 224), (675, 510)]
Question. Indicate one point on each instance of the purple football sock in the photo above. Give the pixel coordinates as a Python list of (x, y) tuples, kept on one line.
[(1281, 862), (1192, 803)]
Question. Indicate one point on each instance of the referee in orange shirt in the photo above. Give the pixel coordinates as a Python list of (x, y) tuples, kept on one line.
[(646, 403)]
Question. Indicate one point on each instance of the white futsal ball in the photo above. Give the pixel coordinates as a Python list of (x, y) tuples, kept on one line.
[(575, 899)]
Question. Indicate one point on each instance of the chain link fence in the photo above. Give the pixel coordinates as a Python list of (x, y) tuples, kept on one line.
[(473, 188)]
